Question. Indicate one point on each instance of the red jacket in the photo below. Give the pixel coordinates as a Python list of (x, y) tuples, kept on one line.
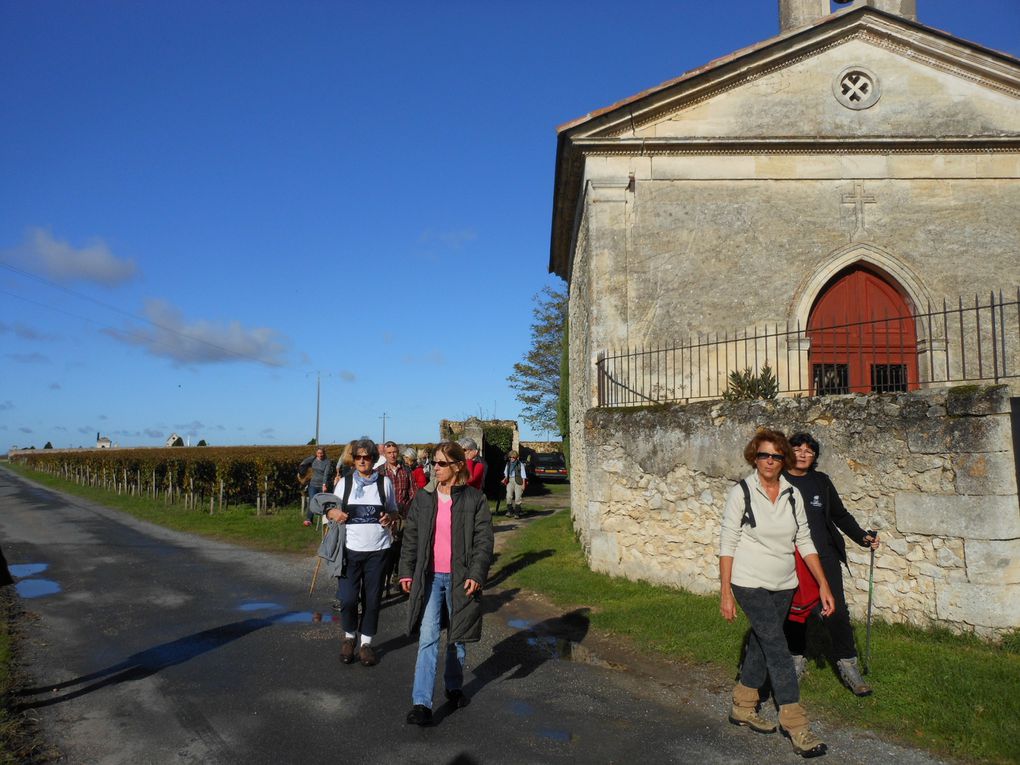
[(477, 470)]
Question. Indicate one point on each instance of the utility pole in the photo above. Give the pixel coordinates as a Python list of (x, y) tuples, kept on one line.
[(383, 418), (317, 398)]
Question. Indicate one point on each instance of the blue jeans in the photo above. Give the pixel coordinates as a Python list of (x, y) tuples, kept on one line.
[(428, 646)]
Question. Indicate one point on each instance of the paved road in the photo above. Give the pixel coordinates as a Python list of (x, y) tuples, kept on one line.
[(150, 646)]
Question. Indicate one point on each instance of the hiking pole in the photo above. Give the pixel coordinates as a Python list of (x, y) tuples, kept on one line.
[(871, 594), (318, 562)]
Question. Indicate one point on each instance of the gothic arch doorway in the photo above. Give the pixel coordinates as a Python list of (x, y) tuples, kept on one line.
[(862, 336)]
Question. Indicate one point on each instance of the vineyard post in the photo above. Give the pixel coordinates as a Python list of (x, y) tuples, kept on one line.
[(221, 495)]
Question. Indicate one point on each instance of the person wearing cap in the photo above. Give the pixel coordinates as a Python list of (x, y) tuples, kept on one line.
[(515, 478), (826, 517)]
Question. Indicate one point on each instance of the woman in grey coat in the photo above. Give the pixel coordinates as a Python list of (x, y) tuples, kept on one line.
[(443, 564)]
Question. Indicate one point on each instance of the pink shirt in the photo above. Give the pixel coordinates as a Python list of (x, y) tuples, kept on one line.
[(442, 550)]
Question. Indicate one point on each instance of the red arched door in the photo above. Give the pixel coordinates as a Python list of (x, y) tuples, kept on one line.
[(862, 337)]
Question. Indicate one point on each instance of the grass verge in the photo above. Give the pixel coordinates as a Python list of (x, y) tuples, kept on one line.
[(948, 693), (280, 531)]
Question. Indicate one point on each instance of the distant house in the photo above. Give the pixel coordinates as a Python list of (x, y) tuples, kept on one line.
[(174, 440), (102, 442)]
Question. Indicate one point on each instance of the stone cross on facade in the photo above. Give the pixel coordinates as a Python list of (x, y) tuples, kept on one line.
[(858, 199)]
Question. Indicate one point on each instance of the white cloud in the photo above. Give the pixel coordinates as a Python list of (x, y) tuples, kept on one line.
[(347, 375), (85, 430), (201, 341), (5, 405), (153, 433), (55, 386), (435, 357), (28, 358), (25, 430), (453, 239), (60, 261)]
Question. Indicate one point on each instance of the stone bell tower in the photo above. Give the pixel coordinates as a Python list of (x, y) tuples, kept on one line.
[(798, 13)]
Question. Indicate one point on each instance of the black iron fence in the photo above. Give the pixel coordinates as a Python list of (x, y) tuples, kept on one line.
[(966, 342)]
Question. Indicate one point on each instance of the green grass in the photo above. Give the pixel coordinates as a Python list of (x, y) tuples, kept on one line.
[(280, 531), (952, 694)]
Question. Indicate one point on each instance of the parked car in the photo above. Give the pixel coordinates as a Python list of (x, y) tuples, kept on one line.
[(548, 467)]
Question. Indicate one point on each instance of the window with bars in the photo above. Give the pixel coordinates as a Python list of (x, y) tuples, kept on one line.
[(888, 378), (831, 379)]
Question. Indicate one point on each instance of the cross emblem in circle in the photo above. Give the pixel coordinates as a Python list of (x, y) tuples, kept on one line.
[(856, 87)]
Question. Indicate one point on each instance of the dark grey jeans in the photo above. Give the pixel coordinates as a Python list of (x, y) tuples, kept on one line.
[(767, 656)]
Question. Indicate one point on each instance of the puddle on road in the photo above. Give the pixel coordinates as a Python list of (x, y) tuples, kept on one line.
[(259, 607), (308, 617), (289, 617), (563, 736), (36, 588), (553, 647), (21, 570), (521, 708)]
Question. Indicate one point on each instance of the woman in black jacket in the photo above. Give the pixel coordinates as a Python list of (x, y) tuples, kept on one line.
[(826, 514), (444, 562)]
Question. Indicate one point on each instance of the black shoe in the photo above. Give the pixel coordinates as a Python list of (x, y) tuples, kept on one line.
[(337, 605), (419, 715), (457, 699)]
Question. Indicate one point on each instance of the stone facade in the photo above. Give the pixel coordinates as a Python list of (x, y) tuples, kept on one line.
[(730, 198), (940, 488)]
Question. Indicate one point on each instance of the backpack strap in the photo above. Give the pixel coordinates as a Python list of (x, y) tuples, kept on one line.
[(347, 492), (748, 517)]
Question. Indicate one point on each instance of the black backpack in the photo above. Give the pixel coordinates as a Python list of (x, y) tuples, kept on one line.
[(349, 481)]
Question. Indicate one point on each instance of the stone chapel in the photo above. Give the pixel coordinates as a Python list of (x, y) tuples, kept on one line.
[(840, 202)]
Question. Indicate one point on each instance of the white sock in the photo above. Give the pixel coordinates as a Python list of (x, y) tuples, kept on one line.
[(366, 640), (350, 635)]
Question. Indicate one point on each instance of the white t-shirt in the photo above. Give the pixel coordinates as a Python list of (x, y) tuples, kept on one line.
[(364, 533)]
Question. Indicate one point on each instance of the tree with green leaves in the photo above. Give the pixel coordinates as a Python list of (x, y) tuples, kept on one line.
[(536, 378)]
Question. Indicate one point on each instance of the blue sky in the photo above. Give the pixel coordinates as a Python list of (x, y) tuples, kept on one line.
[(285, 189)]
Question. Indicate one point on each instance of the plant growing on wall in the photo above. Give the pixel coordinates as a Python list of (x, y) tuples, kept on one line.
[(748, 386)]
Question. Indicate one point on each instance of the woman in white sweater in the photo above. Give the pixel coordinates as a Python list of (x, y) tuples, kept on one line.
[(762, 522)]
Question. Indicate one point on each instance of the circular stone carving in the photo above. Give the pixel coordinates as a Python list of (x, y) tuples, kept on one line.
[(856, 87)]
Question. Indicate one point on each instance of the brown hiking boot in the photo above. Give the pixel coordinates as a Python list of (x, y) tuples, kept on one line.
[(347, 651), (851, 675), (745, 710), (793, 723)]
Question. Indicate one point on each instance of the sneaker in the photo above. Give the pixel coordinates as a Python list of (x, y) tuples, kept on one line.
[(367, 656), (456, 698), (419, 715), (851, 676), (347, 651), (336, 605), (805, 742)]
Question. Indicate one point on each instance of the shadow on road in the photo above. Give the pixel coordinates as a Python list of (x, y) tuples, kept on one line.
[(519, 562), (525, 651), (145, 663)]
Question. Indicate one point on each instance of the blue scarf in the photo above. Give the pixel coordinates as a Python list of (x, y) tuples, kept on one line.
[(361, 482)]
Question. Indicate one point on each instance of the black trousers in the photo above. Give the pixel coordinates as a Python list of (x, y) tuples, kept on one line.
[(362, 581), (841, 632)]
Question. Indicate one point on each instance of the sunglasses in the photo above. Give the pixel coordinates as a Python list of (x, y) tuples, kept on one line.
[(362, 457), (443, 463), (770, 456)]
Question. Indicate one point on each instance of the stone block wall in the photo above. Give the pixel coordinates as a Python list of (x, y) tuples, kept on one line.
[(933, 471)]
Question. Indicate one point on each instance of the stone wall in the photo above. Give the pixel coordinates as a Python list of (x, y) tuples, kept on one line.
[(933, 471)]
